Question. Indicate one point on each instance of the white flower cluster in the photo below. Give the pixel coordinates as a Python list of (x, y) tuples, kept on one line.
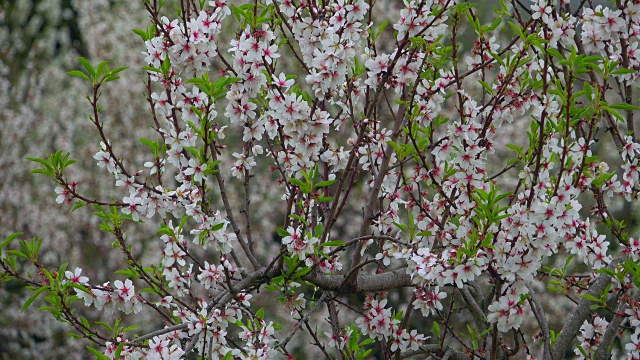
[(379, 323), (590, 337), (299, 243), (121, 296), (605, 29), (191, 48), (303, 130), (633, 347), (508, 312), (329, 44)]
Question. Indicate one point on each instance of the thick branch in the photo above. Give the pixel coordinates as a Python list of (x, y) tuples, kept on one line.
[(604, 351), (581, 313), (366, 283), (478, 316), (434, 349)]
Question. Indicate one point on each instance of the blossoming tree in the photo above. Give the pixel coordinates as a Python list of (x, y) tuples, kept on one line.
[(463, 228)]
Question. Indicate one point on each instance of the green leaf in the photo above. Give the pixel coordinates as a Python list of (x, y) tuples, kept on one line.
[(10, 239), (151, 144), (297, 182), (517, 29), (118, 69), (282, 232), (381, 28), (78, 73), (623, 71), (303, 272), (590, 297), (44, 162), (97, 353), (151, 69), (33, 297), (78, 205), (81, 288), (87, 66), (353, 341), (298, 217), (105, 325), (367, 342), (365, 354), (607, 271), (435, 329), (17, 253), (141, 33), (333, 243), (494, 24), (614, 113), (217, 227), (487, 88), (102, 67), (193, 151), (325, 183), (238, 12), (624, 107), (118, 351), (74, 335)]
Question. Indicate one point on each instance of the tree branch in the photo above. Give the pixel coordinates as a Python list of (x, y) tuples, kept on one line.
[(581, 313), (604, 351), (284, 342), (538, 311), (365, 283)]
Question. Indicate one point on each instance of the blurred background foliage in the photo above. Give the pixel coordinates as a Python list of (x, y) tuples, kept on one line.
[(43, 110)]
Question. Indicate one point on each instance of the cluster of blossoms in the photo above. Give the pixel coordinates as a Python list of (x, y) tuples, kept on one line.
[(121, 296), (340, 340), (379, 322), (429, 301), (427, 268), (258, 341), (302, 129), (190, 48), (633, 347), (508, 312), (590, 337), (164, 347), (299, 243), (605, 29), (329, 43), (248, 52), (631, 171), (292, 301)]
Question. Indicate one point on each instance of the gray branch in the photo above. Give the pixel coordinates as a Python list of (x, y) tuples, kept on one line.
[(433, 349), (477, 313), (604, 350), (581, 313), (538, 310), (366, 283), (320, 301)]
